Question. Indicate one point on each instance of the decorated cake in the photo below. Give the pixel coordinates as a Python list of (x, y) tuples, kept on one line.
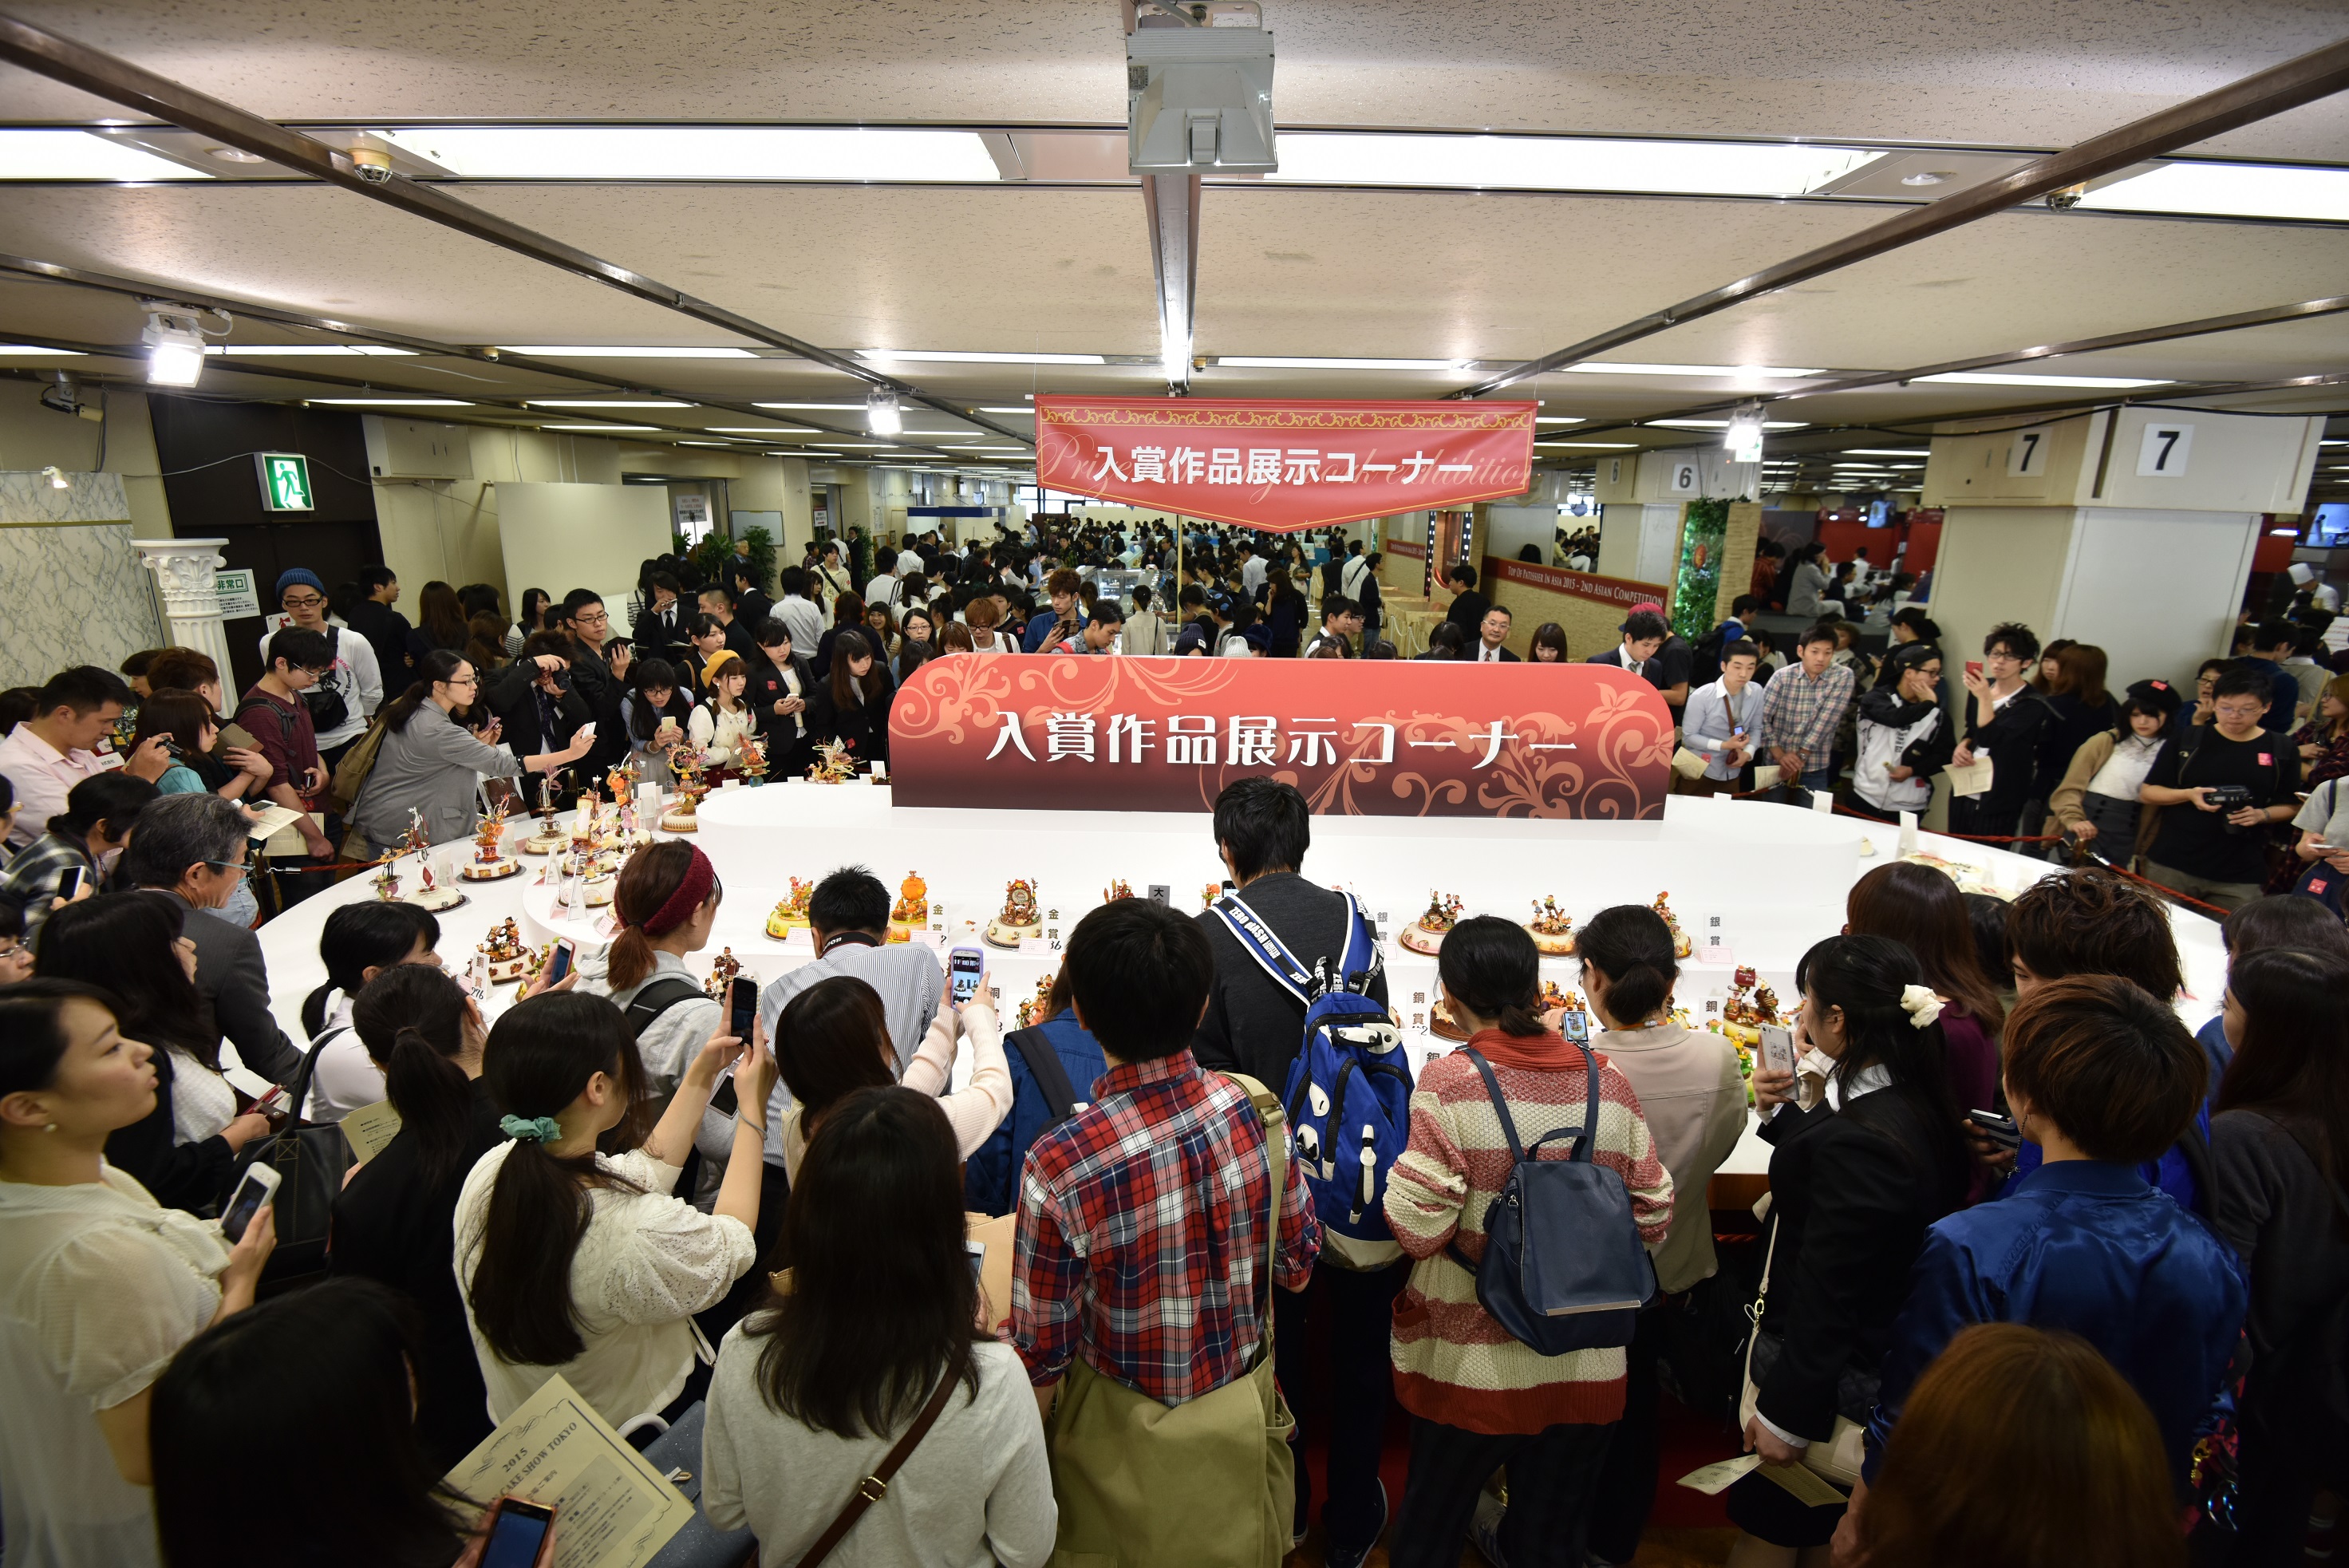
[(387, 876), (792, 914), (1117, 888), (434, 890), (508, 954), (1020, 920), (1680, 938), (1440, 1021), (1209, 894), (1742, 1015), (833, 765), (1552, 999), (1969, 878), (682, 816), (489, 860), (1552, 927), (549, 835), (1426, 934), (722, 971), (1032, 1010), (912, 909)]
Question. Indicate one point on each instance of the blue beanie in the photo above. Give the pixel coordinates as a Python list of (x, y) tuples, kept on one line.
[(293, 575)]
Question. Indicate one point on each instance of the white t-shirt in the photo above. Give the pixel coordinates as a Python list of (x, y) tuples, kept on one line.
[(647, 1262), (202, 1103), (103, 1286), (343, 1076)]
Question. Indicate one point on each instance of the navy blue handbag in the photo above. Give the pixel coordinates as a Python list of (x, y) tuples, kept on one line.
[(1564, 1268)]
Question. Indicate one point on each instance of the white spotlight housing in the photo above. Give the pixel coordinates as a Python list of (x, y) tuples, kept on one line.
[(175, 347), (1743, 435), (882, 416), (56, 478)]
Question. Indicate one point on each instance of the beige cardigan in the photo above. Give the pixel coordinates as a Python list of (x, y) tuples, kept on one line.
[(1693, 1096)]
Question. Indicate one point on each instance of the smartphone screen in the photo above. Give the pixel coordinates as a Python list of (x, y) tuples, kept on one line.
[(1777, 1047), (743, 1003), (964, 966), (559, 964), (1575, 1026), (519, 1532), (976, 1252), (244, 1204), (69, 881)]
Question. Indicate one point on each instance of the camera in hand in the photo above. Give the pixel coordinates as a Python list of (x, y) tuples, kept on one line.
[(2229, 798)]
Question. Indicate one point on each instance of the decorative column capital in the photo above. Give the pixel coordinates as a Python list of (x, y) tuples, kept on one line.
[(186, 571)]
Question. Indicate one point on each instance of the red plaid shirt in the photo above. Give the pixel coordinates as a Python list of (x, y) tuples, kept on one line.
[(1137, 1239)]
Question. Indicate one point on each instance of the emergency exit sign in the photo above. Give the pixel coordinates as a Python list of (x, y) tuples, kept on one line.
[(286, 481)]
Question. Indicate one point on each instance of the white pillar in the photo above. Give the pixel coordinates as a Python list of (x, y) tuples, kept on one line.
[(185, 573)]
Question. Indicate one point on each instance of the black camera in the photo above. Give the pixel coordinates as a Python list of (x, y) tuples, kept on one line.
[(2231, 798)]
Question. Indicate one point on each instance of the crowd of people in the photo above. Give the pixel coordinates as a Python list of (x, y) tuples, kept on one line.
[(2043, 1278)]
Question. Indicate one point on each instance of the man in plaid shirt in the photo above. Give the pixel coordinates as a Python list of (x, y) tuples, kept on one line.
[(1137, 1237), (1801, 708)]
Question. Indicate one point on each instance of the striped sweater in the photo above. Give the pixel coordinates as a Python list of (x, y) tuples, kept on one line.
[(1453, 1363)]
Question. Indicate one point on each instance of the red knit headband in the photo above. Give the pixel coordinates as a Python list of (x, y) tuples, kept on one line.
[(694, 887)]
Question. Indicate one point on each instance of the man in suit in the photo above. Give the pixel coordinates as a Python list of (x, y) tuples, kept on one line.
[(781, 682), (538, 700), (659, 627), (600, 663), (1359, 581), (1340, 621), (1491, 633), (1644, 632), (719, 603), (197, 854), (750, 602), (1468, 606)]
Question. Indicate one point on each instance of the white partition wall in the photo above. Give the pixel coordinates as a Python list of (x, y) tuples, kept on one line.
[(566, 536)]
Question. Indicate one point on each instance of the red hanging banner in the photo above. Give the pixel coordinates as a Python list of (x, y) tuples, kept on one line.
[(1283, 466), (1059, 732)]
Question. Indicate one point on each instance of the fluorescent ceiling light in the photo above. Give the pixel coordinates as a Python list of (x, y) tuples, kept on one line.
[(389, 403), (1549, 419), (1291, 362), (974, 357), (1591, 445), (28, 349), (1013, 450), (761, 430), (1739, 372), (714, 444), (1975, 378), (605, 403), (600, 429), (658, 152), (620, 351), (1884, 452), (984, 408), (813, 407), (1723, 424), (306, 350), (865, 445), (80, 155), (1561, 164), (2222, 190)]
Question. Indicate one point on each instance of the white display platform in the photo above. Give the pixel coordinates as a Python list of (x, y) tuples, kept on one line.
[(1776, 877)]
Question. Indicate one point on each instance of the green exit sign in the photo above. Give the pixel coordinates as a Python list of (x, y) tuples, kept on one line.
[(286, 481)]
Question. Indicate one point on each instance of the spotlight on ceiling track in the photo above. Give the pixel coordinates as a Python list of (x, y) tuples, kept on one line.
[(175, 341), (64, 398), (1743, 435), (882, 416)]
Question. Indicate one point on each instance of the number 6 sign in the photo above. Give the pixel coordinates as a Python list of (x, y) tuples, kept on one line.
[(1681, 478), (2164, 454)]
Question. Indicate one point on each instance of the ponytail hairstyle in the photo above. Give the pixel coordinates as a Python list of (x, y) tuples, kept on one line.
[(833, 1040), (1632, 949), (1492, 967), (436, 665), (413, 1019), (358, 938), (1867, 977), (539, 1060), (662, 886)]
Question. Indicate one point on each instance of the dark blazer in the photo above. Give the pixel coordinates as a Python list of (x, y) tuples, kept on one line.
[(193, 1176), (1500, 656), (866, 729), (514, 700), (386, 631), (1852, 1195), (787, 755), (1467, 613), (657, 639), (751, 608), (739, 642), (233, 994)]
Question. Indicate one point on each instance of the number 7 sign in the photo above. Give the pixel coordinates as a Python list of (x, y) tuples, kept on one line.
[(2027, 457), (2165, 451)]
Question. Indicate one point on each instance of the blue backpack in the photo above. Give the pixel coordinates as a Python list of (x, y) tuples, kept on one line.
[(1349, 1090)]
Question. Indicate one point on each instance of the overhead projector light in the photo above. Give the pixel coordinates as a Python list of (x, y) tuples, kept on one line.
[(175, 343), (1198, 90), (882, 416), (1743, 435)]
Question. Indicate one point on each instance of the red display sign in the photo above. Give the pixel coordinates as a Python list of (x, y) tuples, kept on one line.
[(1581, 585), (1285, 466), (1029, 731)]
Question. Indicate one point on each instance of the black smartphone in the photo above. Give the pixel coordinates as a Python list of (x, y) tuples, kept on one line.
[(742, 1006), (517, 1532), (559, 964), (2001, 1130), (69, 880)]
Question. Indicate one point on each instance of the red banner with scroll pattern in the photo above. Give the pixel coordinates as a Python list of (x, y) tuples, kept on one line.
[(1285, 465), (1042, 733)]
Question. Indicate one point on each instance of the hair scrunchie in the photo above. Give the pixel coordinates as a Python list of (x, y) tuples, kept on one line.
[(531, 1130), (1920, 1004)]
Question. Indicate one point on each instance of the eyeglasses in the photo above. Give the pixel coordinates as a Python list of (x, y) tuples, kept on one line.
[(244, 865), (16, 952), (597, 618), (308, 601), (462, 680)]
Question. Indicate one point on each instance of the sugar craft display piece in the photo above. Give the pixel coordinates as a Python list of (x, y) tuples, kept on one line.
[(549, 835), (1680, 938), (833, 764), (509, 956), (792, 914), (489, 860), (1036, 1009), (1551, 927), (723, 968), (911, 908), (1117, 888), (683, 814), (1020, 920), (387, 876), (1426, 934), (434, 891)]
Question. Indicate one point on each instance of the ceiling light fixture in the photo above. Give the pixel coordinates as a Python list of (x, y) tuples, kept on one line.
[(992, 409), (1547, 420), (26, 349), (620, 351), (1978, 378), (2226, 189), (1885, 452), (83, 155), (1296, 362), (606, 403), (306, 350), (1742, 435), (1562, 163), (602, 430), (974, 357), (882, 415), (387, 402), (174, 337), (1741, 372), (761, 430), (669, 152), (1723, 424), (1174, 360), (818, 408)]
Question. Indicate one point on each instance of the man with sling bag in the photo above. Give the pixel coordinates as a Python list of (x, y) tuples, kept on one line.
[(1146, 1251)]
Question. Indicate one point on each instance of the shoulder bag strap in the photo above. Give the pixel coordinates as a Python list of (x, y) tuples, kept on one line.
[(872, 1487), (1500, 1105), (657, 999), (1262, 944), (1044, 1065), (1276, 1158)]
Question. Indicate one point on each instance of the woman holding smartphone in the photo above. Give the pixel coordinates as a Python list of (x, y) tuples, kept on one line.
[(580, 1261), (431, 762), (109, 1283), (654, 716)]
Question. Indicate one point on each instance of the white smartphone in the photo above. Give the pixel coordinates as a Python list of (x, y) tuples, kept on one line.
[(258, 1187), (964, 966), (1777, 1048)]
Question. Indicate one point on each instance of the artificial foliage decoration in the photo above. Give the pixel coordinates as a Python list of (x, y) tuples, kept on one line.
[(762, 557), (1696, 586)]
